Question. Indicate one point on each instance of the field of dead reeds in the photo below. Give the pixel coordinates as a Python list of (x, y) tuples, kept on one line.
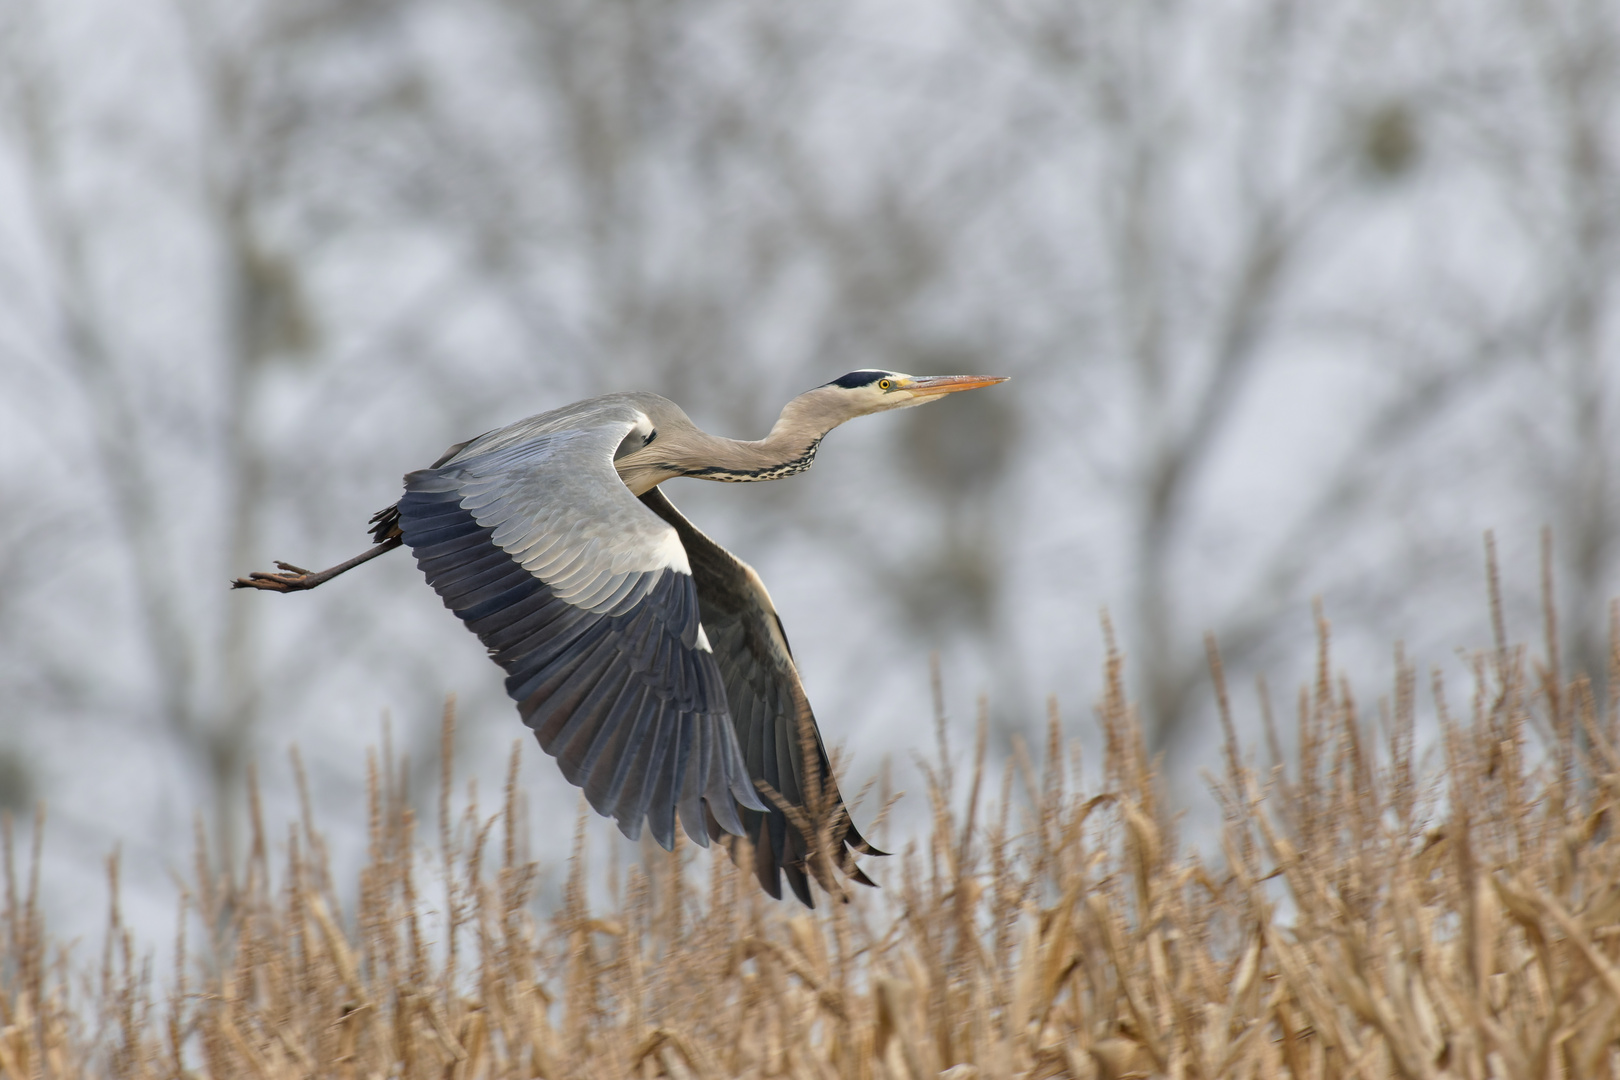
[(1361, 918)]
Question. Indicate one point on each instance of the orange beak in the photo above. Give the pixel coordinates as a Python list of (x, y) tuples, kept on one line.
[(931, 385)]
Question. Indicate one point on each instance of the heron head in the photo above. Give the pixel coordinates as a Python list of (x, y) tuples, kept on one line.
[(872, 390)]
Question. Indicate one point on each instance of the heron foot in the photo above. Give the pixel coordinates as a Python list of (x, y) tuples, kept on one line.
[(294, 579)]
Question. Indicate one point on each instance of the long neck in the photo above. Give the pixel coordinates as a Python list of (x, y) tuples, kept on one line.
[(789, 448)]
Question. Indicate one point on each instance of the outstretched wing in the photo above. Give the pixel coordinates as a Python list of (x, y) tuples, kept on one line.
[(770, 713), (587, 601)]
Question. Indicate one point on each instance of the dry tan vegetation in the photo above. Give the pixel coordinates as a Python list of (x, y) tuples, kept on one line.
[(1360, 920)]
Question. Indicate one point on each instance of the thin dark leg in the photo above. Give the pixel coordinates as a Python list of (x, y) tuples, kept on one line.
[(297, 579)]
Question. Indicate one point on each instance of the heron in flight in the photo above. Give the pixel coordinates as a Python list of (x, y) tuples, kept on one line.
[(647, 659)]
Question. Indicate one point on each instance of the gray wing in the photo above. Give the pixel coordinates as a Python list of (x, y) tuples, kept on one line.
[(587, 601), (767, 704)]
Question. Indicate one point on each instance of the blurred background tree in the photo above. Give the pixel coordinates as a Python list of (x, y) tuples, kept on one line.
[(1299, 299)]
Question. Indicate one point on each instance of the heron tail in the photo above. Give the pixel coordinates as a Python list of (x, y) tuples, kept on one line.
[(385, 525)]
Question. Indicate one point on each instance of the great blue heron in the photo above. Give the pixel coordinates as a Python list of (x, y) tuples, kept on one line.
[(648, 660)]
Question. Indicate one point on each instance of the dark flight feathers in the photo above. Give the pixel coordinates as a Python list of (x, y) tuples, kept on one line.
[(767, 705), (633, 712)]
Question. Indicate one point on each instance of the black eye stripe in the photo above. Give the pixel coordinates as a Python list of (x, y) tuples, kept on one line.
[(857, 379)]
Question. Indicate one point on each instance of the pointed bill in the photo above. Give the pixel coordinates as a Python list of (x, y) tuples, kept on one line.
[(932, 385)]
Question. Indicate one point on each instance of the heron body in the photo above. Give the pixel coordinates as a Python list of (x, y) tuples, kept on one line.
[(647, 659)]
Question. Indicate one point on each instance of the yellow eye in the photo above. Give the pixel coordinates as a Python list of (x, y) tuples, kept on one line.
[(883, 384)]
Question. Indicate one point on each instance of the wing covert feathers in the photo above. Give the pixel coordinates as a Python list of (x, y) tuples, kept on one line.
[(772, 720), (619, 692)]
